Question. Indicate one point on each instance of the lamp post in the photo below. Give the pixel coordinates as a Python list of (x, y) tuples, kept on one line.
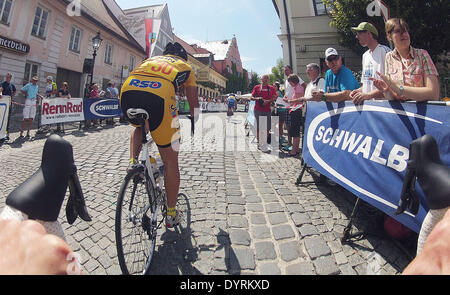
[(96, 43)]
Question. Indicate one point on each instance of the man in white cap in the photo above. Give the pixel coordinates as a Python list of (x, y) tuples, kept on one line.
[(372, 62), (339, 80)]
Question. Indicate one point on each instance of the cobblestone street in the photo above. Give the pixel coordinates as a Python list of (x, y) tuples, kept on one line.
[(246, 216)]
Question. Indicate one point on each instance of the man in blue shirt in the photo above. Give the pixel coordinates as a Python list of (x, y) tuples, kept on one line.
[(9, 89), (339, 80), (29, 111)]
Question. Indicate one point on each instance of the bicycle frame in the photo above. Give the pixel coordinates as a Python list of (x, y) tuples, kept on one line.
[(145, 159)]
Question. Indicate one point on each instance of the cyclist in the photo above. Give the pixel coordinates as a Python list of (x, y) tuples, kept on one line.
[(232, 105), (152, 86)]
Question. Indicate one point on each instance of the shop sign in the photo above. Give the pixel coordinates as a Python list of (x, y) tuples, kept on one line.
[(16, 46)]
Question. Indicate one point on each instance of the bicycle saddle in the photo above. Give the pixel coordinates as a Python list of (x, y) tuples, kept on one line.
[(139, 114), (425, 165), (41, 195)]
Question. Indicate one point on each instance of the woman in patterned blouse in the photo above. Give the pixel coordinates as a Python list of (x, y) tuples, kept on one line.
[(410, 73)]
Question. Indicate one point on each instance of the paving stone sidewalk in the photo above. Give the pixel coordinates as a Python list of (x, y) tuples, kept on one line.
[(246, 216)]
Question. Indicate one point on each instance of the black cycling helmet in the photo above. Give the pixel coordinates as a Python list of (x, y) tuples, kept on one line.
[(175, 49)]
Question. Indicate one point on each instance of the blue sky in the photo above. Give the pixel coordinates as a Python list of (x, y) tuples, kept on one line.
[(254, 22)]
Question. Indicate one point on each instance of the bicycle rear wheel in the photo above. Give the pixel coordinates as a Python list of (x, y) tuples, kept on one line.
[(135, 230)]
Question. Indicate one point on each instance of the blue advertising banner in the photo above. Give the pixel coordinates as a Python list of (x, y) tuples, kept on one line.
[(365, 148), (101, 108)]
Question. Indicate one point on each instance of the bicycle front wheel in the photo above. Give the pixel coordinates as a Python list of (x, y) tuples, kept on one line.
[(134, 227)]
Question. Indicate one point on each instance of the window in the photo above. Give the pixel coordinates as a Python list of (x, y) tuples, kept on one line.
[(31, 70), (5, 10), (132, 62), (319, 7), (75, 38), (40, 22), (109, 54)]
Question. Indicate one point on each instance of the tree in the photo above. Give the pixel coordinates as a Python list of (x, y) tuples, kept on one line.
[(255, 80), (428, 22), (277, 72), (236, 82)]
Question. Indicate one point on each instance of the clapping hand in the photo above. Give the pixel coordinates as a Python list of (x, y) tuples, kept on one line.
[(388, 87), (317, 96), (357, 96)]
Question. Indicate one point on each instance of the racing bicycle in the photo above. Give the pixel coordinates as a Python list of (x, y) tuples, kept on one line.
[(141, 207)]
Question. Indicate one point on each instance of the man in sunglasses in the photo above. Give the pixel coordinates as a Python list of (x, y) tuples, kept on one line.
[(339, 80)]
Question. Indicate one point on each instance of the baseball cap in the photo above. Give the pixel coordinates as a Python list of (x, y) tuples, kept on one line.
[(365, 26), (50, 78), (330, 51)]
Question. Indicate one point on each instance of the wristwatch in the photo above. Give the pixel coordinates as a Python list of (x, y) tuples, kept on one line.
[(324, 98), (401, 90)]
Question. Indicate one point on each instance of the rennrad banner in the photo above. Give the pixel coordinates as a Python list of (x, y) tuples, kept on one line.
[(101, 108), (365, 148), (5, 102), (61, 110)]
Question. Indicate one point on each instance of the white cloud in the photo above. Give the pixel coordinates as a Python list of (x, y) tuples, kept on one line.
[(247, 61)]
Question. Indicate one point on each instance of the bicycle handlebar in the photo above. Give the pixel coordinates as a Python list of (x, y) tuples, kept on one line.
[(42, 194)]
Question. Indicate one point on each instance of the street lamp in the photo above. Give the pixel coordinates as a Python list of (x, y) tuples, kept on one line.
[(96, 43)]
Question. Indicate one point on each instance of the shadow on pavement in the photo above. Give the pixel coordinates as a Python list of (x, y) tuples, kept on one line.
[(368, 221), (181, 249)]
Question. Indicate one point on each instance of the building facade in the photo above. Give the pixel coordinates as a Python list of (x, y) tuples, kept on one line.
[(150, 25), (306, 34), (226, 53), (54, 38), (210, 82)]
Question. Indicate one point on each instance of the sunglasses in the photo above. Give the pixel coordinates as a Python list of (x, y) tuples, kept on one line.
[(332, 58), (399, 31)]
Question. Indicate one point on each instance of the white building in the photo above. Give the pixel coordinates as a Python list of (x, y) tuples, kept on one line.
[(147, 23), (306, 34)]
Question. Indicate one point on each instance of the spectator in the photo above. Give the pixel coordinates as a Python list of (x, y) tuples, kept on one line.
[(111, 93), (410, 73), (339, 80), (9, 89), (289, 93), (282, 108), (264, 94), (296, 104), (87, 90), (373, 61), (30, 91), (50, 92), (95, 93), (64, 92), (50, 88), (316, 83)]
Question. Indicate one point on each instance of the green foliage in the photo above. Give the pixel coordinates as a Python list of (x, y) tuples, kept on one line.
[(428, 22), (236, 82), (277, 72), (254, 80)]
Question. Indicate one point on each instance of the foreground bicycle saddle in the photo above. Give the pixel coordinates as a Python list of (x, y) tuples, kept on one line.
[(41, 195), (425, 165)]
